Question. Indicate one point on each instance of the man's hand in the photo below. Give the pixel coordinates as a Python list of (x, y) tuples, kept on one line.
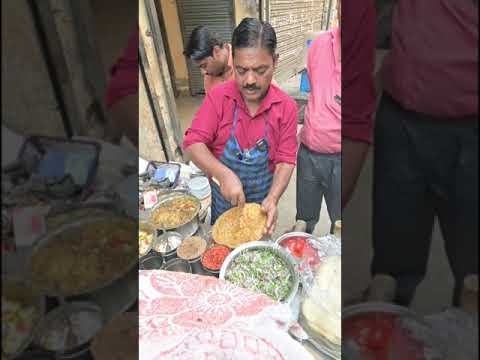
[(353, 157), (269, 206), (232, 189), (229, 183), (124, 119)]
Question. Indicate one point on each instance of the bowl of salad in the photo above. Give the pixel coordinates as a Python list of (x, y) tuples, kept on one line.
[(262, 267)]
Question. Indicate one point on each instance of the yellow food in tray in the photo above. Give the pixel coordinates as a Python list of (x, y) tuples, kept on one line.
[(22, 309), (86, 256), (18, 321), (240, 225), (175, 213), (144, 241)]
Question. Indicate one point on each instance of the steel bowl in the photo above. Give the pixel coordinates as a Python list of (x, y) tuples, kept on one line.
[(160, 238), (379, 307), (274, 248), (213, 272), (61, 312), (151, 262), (193, 219), (20, 290), (189, 229), (294, 234), (178, 265), (207, 271), (196, 266), (325, 245)]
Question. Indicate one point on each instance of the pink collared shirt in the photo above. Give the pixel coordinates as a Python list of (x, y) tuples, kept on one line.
[(432, 67), (322, 129), (214, 120), (124, 74)]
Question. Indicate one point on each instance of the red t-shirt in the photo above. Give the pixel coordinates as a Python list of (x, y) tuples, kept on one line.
[(214, 120), (124, 74)]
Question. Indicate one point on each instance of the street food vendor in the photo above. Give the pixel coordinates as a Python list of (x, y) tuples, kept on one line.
[(244, 134), (211, 55)]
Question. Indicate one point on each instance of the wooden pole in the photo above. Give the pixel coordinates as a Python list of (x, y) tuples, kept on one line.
[(154, 61)]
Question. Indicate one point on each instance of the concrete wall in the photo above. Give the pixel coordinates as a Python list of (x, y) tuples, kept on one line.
[(149, 145), (246, 8), (334, 15), (175, 41), (114, 21), (28, 102)]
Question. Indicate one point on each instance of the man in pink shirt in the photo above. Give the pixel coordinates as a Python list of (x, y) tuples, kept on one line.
[(211, 55), (426, 143), (319, 156), (122, 91), (244, 134)]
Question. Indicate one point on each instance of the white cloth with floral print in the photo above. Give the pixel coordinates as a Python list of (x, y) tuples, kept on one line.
[(191, 317)]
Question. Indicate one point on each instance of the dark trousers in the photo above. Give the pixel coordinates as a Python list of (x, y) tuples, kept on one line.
[(424, 167), (318, 176)]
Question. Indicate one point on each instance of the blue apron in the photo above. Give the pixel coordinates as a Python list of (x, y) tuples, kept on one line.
[(251, 166)]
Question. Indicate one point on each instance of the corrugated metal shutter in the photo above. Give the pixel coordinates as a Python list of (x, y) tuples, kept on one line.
[(291, 20), (217, 15)]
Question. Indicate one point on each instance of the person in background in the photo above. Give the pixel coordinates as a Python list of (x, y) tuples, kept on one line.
[(358, 89), (211, 55), (244, 136), (426, 144), (319, 157), (122, 92)]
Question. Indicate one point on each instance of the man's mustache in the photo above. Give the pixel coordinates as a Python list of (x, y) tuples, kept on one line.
[(251, 87)]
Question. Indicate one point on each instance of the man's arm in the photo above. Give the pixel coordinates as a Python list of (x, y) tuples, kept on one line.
[(124, 115), (281, 178), (353, 157), (196, 142), (230, 185), (358, 90)]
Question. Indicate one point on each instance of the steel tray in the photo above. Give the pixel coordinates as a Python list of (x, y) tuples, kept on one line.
[(51, 236)]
